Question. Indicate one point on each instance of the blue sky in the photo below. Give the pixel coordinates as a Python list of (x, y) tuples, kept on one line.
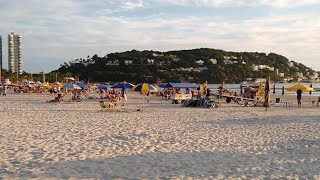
[(62, 30)]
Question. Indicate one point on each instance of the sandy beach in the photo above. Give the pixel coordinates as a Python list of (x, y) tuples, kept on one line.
[(75, 140)]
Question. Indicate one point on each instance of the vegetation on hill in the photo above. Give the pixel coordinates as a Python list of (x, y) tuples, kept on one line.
[(179, 66)]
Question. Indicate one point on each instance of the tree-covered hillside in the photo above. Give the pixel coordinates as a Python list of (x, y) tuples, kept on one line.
[(197, 65)]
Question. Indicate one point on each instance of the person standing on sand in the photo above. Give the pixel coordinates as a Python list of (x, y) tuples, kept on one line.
[(299, 94), (4, 91)]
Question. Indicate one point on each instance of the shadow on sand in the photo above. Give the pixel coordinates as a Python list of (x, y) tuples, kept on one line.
[(265, 121), (298, 158)]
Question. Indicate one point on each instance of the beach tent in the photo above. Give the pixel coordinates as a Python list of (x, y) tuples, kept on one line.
[(82, 85), (300, 87), (162, 85), (71, 86), (180, 85)]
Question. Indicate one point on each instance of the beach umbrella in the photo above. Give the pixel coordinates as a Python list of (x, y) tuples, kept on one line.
[(274, 88), (282, 91), (123, 85), (300, 87), (267, 94), (82, 85), (71, 86), (38, 83), (105, 87), (47, 86), (144, 88)]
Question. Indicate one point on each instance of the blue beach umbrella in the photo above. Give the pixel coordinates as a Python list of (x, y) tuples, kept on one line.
[(82, 85), (123, 85), (145, 88), (105, 87)]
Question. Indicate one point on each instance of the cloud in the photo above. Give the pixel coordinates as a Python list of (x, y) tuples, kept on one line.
[(58, 31), (241, 3), (131, 6)]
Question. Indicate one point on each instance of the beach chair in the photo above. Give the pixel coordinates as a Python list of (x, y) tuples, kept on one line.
[(108, 107), (278, 102)]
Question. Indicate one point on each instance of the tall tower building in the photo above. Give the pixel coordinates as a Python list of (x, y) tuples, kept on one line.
[(0, 54), (15, 53)]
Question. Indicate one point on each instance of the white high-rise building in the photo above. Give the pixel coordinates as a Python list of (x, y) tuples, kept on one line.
[(15, 53), (0, 54)]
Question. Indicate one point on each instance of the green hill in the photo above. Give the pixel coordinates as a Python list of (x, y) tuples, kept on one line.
[(196, 65)]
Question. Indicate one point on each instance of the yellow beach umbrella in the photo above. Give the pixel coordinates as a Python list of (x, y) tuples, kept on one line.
[(47, 86), (300, 87), (145, 88)]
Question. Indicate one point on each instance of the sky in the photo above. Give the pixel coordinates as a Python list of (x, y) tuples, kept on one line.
[(59, 31)]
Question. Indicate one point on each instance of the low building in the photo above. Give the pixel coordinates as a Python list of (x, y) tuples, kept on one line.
[(150, 61), (113, 63), (127, 62), (227, 62), (281, 74), (199, 62), (213, 61)]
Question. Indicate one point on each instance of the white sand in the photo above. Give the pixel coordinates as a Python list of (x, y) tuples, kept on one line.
[(75, 140)]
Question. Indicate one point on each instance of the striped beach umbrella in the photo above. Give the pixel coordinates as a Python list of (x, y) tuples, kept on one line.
[(145, 88), (267, 94)]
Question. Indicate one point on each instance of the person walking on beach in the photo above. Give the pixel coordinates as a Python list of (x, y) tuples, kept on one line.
[(4, 91), (299, 94)]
